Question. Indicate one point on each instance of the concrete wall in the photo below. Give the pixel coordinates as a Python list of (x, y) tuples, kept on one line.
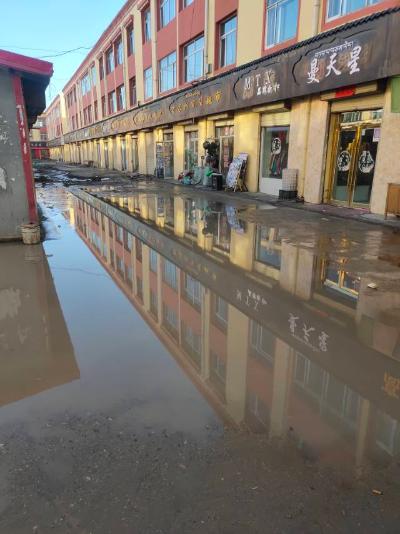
[(13, 198)]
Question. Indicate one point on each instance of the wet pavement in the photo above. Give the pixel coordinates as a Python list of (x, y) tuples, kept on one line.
[(171, 363)]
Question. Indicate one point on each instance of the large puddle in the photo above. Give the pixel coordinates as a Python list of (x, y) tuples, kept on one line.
[(181, 314)]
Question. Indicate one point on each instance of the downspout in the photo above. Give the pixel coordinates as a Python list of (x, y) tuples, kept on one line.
[(206, 36), (316, 17)]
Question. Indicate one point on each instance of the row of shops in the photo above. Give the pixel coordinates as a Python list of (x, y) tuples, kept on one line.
[(328, 109)]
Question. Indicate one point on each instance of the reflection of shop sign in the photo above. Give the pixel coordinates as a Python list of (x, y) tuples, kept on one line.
[(335, 61), (344, 160), (251, 299), (276, 146), (366, 162), (308, 335), (261, 84)]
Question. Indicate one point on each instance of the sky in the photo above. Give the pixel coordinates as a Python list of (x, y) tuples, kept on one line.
[(45, 28)]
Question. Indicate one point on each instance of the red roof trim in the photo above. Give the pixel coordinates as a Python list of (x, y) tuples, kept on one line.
[(25, 64)]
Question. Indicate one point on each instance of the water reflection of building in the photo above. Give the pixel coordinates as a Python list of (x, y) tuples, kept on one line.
[(36, 352), (276, 338)]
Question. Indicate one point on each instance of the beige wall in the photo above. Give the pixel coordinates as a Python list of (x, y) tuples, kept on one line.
[(388, 161), (315, 161), (179, 149), (250, 30), (247, 139)]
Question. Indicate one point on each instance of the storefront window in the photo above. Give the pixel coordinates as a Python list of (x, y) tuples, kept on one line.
[(275, 149), (191, 150), (165, 155)]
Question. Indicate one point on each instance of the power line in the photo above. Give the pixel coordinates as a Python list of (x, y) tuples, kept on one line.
[(57, 53), (67, 52)]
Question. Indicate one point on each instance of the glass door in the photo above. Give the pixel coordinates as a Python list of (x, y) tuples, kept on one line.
[(226, 138), (354, 159), (365, 165), (344, 163), (123, 155)]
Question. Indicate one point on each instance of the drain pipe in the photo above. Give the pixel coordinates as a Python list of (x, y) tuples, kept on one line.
[(206, 36), (316, 17)]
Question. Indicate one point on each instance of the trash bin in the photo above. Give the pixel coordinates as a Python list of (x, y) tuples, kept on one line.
[(217, 181)]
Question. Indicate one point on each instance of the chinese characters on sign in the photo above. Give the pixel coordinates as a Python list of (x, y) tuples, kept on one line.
[(308, 335), (261, 84), (335, 61), (251, 299), (198, 101)]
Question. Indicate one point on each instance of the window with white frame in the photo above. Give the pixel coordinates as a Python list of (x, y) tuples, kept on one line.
[(193, 57), (339, 8), (112, 102), (168, 73), (119, 52), (167, 12), (130, 37), (282, 16), (228, 42), (148, 83), (153, 260), (170, 275), (147, 25), (93, 75), (110, 61), (187, 3), (86, 84), (193, 290), (121, 100)]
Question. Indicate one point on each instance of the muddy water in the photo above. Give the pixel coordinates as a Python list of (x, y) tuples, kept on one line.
[(159, 343)]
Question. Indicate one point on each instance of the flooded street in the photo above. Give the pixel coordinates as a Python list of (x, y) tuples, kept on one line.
[(171, 363)]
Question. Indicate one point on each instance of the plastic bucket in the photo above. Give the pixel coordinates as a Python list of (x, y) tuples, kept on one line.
[(30, 234)]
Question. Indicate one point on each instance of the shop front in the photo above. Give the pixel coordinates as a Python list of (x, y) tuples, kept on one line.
[(274, 153), (355, 144), (191, 148), (225, 136), (165, 155), (124, 158)]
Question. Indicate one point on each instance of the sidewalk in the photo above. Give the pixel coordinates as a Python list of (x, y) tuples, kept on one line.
[(89, 173)]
